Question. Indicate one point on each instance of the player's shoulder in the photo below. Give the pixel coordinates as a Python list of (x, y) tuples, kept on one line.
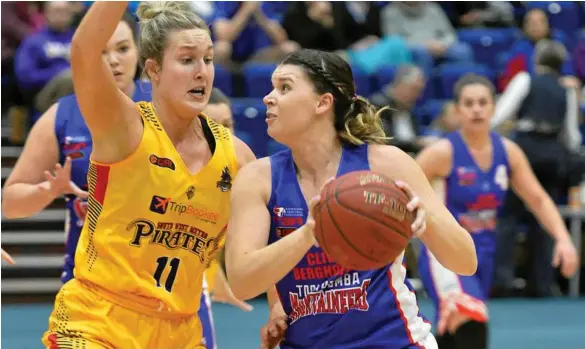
[(443, 148), (513, 150), (255, 175), (244, 155)]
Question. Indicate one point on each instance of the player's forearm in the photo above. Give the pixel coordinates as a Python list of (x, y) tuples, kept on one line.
[(23, 200), (96, 28), (253, 273), (451, 245), (272, 296), (549, 217)]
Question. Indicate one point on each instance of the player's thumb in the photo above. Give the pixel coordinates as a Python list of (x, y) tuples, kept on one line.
[(244, 306), (556, 261)]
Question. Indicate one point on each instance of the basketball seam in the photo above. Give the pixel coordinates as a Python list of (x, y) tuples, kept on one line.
[(340, 230), (335, 193)]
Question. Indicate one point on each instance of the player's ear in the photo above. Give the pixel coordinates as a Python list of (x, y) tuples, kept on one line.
[(324, 104)]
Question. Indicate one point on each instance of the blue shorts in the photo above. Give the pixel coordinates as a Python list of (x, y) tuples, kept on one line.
[(207, 320), (466, 294)]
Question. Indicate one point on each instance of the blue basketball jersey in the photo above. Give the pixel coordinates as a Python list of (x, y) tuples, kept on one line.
[(475, 196), (75, 142), (330, 306)]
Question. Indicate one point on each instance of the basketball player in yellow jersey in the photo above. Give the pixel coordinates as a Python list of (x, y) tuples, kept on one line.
[(159, 184)]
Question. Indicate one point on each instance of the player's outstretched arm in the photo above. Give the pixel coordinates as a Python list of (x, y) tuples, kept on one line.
[(252, 266), (447, 240), (526, 185), (31, 187), (111, 116)]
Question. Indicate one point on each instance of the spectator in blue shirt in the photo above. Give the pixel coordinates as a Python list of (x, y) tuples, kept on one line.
[(45, 54), (251, 30)]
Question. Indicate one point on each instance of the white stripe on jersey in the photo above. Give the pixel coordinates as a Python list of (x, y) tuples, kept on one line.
[(417, 329)]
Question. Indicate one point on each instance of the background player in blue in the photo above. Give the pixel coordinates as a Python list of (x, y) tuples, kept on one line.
[(473, 168), (61, 136), (314, 110)]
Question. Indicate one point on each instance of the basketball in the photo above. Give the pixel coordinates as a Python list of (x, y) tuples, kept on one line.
[(361, 221)]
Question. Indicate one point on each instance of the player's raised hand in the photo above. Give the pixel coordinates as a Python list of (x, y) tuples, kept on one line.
[(60, 182), (566, 257), (415, 204), (6, 257), (273, 332)]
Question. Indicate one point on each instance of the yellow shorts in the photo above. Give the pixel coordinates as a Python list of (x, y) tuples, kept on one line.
[(82, 319)]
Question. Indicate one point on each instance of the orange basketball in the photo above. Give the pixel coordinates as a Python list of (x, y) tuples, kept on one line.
[(362, 222)]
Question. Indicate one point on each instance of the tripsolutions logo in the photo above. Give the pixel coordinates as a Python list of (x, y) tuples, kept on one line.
[(162, 205)]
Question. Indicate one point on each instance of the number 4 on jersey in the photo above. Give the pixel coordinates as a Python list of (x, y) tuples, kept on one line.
[(161, 266), (501, 177)]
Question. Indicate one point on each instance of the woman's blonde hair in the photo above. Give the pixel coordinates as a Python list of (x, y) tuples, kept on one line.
[(357, 121), (157, 20)]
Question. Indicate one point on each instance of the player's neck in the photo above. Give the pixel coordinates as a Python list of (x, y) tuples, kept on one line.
[(176, 128), (317, 156), (129, 90), (475, 140)]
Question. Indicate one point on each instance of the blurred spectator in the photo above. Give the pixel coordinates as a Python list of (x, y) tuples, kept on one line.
[(219, 109), (205, 9), (250, 31), (547, 130), (16, 26), (45, 53), (478, 14), (401, 96), (579, 59), (445, 123), (536, 28), (427, 30), (351, 29)]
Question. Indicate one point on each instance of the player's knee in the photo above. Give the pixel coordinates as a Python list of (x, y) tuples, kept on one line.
[(471, 334)]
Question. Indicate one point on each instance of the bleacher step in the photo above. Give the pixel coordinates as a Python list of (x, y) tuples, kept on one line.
[(32, 237), (31, 286)]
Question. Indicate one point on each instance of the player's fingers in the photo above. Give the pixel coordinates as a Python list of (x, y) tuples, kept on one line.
[(7, 257), (243, 305), (406, 188), (556, 261), (418, 219), (570, 264), (327, 182), (67, 165), (49, 176), (421, 229), (414, 203), (281, 323), (314, 202)]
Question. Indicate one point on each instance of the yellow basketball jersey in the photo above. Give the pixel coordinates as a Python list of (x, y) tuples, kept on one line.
[(152, 228)]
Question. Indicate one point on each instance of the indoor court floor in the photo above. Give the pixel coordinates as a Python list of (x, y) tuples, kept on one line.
[(516, 324)]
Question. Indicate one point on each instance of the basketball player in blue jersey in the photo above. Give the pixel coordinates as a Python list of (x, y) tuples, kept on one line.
[(473, 168), (61, 136), (314, 111)]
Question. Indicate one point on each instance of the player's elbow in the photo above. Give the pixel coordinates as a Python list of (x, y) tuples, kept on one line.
[(467, 264), (239, 283), (470, 267), (241, 289)]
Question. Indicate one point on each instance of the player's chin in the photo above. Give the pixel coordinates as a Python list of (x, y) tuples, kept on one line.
[(195, 107)]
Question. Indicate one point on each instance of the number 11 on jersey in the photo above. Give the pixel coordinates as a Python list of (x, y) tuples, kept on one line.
[(162, 263)]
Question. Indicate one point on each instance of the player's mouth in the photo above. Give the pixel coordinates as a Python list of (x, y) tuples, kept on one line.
[(118, 74), (198, 92), (270, 117)]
